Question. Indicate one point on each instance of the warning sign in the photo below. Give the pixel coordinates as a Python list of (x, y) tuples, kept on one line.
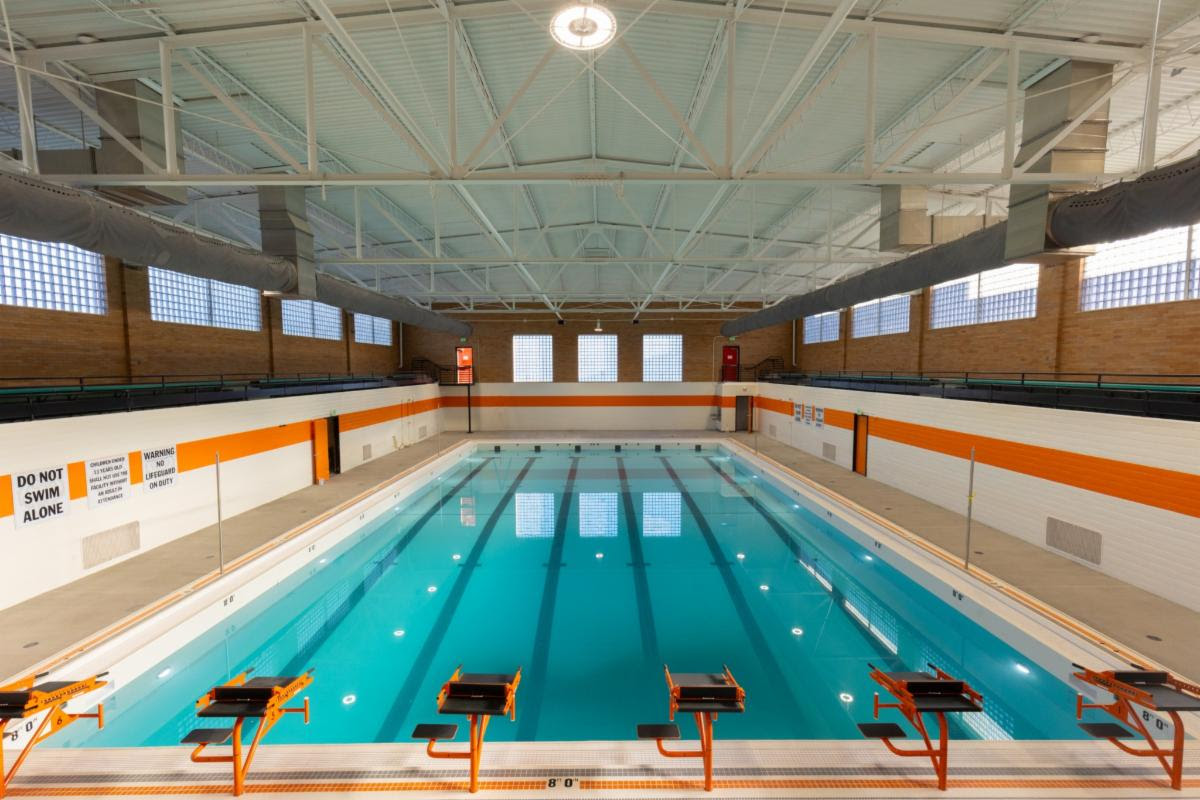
[(107, 480), (40, 495), (159, 468)]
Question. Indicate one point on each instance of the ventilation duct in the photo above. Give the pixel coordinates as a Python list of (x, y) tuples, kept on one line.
[(283, 223), (36, 209), (1167, 197)]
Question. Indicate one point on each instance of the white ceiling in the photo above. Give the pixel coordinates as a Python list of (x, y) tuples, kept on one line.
[(590, 162)]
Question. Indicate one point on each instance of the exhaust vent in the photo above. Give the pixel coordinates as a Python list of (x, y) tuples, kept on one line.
[(829, 451), (1074, 540), (112, 543)]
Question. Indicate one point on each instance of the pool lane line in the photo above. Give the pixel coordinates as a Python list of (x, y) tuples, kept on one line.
[(531, 708), (407, 695), (641, 584), (789, 541), (758, 640), (299, 661)]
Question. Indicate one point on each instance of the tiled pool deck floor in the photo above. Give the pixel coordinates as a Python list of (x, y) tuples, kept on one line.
[(45, 625), (773, 769)]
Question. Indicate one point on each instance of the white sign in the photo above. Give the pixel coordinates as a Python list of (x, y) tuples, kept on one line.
[(819, 417), (159, 468), (40, 495), (107, 480), (808, 414), (798, 411)]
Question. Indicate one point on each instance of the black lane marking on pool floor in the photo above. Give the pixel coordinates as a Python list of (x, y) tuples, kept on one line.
[(789, 541), (641, 584), (299, 662), (407, 695), (758, 640), (531, 708)]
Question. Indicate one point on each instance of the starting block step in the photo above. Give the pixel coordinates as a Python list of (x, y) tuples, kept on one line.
[(881, 730), (667, 731), (208, 736), (434, 731), (1105, 730)]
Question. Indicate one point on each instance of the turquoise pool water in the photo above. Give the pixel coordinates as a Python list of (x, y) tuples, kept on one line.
[(591, 571)]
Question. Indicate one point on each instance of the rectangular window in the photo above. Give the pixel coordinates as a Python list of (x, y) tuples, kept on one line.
[(51, 275), (662, 357), (598, 514), (995, 295), (312, 319), (372, 330), (598, 358), (1160, 267), (880, 317), (533, 359), (188, 300), (821, 327)]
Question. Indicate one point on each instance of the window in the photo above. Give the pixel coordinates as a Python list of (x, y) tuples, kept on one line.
[(662, 357), (60, 277), (1159, 267), (880, 317), (533, 359), (661, 514), (597, 357), (992, 296), (312, 319), (821, 327), (188, 300), (598, 514), (372, 330), (535, 515)]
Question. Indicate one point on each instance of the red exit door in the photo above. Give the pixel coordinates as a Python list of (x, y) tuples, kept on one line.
[(731, 360)]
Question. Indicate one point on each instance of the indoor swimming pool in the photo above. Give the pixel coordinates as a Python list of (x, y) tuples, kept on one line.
[(590, 570)]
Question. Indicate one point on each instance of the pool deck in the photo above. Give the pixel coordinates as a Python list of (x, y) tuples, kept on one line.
[(633, 770), (62, 617)]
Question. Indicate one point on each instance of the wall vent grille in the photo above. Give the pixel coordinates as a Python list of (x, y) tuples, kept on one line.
[(1075, 540), (366, 452), (829, 451), (107, 545)]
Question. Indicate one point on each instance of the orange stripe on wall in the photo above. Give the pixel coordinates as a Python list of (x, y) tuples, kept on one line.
[(1152, 486), (784, 407), (374, 416), (839, 419), (575, 401), (76, 480), (202, 452), (6, 496), (135, 467)]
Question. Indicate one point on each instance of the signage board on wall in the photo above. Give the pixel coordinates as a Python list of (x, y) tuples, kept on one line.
[(107, 480), (808, 414), (798, 411), (819, 417), (40, 494), (159, 467)]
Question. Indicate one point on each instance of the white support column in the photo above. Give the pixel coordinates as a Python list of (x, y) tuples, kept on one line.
[(1153, 90), (868, 159), (358, 227), (310, 106), (1010, 111), (452, 86), (730, 40), (170, 149)]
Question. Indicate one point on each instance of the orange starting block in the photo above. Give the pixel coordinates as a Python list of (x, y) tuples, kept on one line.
[(478, 696), (920, 693), (27, 698), (1140, 688), (241, 699), (705, 695)]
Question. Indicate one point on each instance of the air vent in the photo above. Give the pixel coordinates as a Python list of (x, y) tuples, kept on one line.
[(1074, 540), (366, 452), (771, 431), (422, 431), (112, 543), (829, 451)]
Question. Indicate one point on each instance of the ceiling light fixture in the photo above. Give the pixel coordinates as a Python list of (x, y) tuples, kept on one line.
[(583, 27), (598, 329)]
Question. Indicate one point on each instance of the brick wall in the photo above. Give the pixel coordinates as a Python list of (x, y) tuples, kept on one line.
[(1159, 338), (492, 340), (125, 341)]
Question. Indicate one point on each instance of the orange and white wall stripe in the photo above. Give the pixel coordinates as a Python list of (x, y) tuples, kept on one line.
[(266, 447), (1132, 480)]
